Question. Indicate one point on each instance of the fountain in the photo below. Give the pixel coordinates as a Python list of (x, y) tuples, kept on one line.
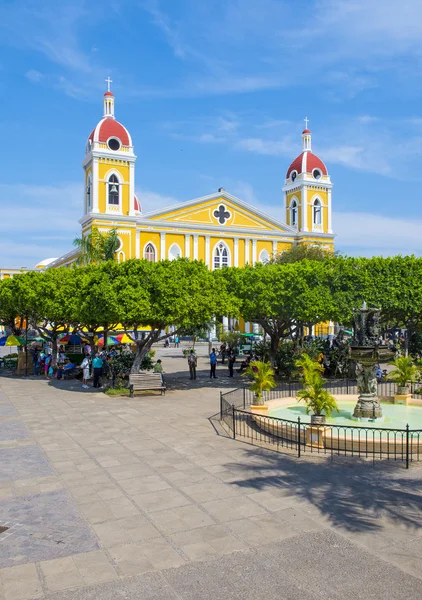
[(367, 351)]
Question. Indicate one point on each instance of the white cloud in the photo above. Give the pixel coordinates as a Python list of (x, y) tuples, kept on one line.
[(34, 75), (152, 201)]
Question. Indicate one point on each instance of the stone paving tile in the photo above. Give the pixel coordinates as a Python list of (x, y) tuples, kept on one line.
[(50, 527), (181, 519), (153, 555), (13, 430), (7, 410), (121, 531), (21, 583), (23, 462), (161, 500)]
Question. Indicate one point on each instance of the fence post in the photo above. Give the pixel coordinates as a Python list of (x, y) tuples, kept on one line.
[(298, 437), (244, 398), (347, 385), (234, 421), (407, 446), (221, 406), (290, 388)]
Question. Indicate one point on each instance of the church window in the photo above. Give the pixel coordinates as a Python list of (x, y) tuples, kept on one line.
[(88, 193), (293, 175), (150, 252), (316, 173), (264, 256), (113, 144), (221, 256), (317, 212), (113, 190), (174, 252), (294, 213)]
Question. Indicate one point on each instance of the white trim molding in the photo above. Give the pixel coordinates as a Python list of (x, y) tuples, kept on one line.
[(187, 245), (253, 252), (236, 252), (195, 246), (207, 250), (247, 251), (162, 246)]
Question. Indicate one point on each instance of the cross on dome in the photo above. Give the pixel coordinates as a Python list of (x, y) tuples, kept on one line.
[(108, 81), (306, 122)]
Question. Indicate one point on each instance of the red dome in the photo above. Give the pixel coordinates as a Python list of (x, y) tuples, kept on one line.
[(108, 128), (306, 163), (137, 205), (305, 131), (109, 94)]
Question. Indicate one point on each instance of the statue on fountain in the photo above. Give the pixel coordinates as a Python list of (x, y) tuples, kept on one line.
[(367, 351)]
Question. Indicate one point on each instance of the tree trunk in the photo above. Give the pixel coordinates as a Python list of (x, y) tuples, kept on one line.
[(274, 339), (54, 350), (141, 349)]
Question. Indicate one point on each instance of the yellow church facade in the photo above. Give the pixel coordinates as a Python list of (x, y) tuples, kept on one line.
[(218, 229)]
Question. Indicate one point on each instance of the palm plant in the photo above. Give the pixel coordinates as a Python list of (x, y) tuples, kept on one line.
[(262, 378), (404, 372), (318, 400), (96, 247)]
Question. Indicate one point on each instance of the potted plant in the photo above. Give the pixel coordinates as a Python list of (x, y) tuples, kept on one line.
[(320, 404), (404, 372), (262, 380)]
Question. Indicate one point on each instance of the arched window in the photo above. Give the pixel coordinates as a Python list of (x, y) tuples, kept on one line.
[(149, 253), (88, 193), (317, 212), (293, 208), (113, 190), (264, 256), (174, 252), (221, 256)]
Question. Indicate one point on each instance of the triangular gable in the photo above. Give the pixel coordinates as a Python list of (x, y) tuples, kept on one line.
[(219, 210)]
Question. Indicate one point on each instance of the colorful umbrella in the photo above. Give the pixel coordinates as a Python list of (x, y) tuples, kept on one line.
[(123, 338), (14, 340), (3, 340), (111, 341)]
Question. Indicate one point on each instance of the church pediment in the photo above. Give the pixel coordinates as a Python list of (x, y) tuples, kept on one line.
[(219, 210)]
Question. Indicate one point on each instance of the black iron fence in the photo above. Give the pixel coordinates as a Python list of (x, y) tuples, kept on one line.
[(301, 437)]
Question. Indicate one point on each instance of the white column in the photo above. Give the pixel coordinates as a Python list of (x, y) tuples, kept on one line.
[(95, 187), (195, 247), (187, 245), (131, 189), (207, 250), (330, 225), (255, 328), (225, 323), (247, 327), (274, 248), (162, 246), (304, 209), (213, 331), (253, 252), (247, 250), (138, 244), (236, 252)]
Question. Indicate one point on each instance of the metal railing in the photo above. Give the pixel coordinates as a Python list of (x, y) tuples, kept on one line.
[(303, 438)]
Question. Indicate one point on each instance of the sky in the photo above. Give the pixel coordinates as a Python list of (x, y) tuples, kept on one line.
[(214, 93)]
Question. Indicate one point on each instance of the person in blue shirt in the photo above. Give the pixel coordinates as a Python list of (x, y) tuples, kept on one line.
[(97, 365), (213, 363)]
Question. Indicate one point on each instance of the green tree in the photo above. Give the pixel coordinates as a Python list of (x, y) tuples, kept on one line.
[(96, 247), (404, 371), (302, 252), (284, 298), (153, 296)]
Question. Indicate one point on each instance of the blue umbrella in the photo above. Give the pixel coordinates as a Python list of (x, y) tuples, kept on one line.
[(3, 340), (75, 339)]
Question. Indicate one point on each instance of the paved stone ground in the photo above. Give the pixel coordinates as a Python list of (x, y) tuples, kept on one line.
[(146, 498)]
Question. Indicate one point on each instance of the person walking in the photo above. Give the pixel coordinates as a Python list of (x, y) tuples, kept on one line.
[(176, 341), (213, 364), (85, 372), (231, 361), (192, 362), (97, 364)]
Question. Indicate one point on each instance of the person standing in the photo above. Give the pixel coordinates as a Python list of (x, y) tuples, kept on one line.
[(35, 359), (231, 361), (176, 341), (213, 364), (192, 362), (85, 372), (97, 364)]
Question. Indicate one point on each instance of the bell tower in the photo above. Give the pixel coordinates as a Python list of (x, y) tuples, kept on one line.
[(307, 191)]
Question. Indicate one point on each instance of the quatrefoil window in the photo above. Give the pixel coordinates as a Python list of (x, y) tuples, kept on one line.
[(222, 214)]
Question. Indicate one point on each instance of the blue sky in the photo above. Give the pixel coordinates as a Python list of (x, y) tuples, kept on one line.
[(214, 93)]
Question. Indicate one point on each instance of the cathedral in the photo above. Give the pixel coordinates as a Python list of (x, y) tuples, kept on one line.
[(219, 229)]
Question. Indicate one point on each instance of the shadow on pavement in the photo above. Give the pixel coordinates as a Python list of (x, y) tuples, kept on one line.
[(354, 494)]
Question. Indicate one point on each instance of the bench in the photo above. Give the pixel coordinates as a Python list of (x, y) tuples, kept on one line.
[(146, 381)]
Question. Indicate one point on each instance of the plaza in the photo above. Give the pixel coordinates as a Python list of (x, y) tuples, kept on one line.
[(110, 497)]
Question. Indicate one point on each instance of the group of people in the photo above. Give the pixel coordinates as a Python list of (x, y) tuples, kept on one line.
[(193, 363)]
